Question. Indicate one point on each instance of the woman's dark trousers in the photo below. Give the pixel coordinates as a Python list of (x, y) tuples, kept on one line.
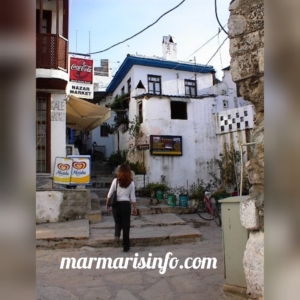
[(121, 214)]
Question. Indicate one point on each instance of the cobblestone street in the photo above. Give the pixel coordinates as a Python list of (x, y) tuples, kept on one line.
[(130, 283)]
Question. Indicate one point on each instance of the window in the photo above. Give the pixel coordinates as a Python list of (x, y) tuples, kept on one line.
[(103, 131), (141, 112), (178, 110), (154, 84), (46, 21), (129, 86), (43, 133), (190, 88), (123, 90)]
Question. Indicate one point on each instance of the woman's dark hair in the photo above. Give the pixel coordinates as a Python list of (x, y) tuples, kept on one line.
[(124, 176)]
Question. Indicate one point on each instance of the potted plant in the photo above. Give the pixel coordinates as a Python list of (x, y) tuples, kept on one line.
[(220, 194), (171, 196), (154, 187), (183, 196), (196, 193)]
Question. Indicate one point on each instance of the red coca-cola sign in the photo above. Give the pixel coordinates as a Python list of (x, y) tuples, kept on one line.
[(81, 70)]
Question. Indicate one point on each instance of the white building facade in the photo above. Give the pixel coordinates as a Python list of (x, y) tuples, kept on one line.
[(51, 82), (180, 99)]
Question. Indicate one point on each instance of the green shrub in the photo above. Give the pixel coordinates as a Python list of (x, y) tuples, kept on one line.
[(116, 159), (137, 168), (153, 187)]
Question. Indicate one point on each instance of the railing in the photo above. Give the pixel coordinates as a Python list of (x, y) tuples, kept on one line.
[(51, 51)]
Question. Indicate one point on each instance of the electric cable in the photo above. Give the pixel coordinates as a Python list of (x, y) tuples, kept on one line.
[(216, 51), (198, 49), (139, 31), (218, 18), (220, 51), (214, 54)]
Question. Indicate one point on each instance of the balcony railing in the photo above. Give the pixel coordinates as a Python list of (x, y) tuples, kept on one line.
[(51, 51)]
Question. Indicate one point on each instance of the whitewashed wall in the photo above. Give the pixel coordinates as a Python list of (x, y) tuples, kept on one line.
[(58, 127), (200, 139), (172, 80)]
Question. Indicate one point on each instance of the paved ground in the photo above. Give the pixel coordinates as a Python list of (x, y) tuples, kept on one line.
[(131, 284)]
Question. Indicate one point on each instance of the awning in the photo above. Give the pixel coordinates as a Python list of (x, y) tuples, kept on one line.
[(85, 116)]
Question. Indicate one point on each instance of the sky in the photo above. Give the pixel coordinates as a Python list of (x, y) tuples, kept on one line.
[(98, 24)]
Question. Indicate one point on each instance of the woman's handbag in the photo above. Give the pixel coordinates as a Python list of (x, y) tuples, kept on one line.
[(113, 199)]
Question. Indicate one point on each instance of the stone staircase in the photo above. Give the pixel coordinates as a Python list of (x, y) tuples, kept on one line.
[(156, 224)]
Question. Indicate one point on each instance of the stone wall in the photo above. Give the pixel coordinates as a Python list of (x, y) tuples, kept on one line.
[(62, 205), (246, 33)]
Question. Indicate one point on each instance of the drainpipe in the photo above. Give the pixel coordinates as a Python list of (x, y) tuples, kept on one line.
[(242, 164)]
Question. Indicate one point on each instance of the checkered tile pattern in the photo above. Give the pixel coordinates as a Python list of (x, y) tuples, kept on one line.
[(235, 119)]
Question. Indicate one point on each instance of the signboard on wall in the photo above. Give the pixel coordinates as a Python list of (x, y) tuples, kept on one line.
[(81, 73), (166, 145)]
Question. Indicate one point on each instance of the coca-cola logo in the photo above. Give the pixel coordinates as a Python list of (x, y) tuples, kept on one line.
[(81, 70)]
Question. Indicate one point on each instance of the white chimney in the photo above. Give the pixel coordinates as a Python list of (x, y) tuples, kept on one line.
[(169, 48)]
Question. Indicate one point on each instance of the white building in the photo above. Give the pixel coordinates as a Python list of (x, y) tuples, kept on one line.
[(56, 106), (99, 138), (178, 102), (51, 82)]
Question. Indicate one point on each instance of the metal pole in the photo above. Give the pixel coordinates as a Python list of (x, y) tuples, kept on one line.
[(76, 40)]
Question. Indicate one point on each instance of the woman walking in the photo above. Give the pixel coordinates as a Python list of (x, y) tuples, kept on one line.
[(122, 211)]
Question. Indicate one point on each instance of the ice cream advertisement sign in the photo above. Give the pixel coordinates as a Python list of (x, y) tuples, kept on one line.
[(81, 170), (62, 170)]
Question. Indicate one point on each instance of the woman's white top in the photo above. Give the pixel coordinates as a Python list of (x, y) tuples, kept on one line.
[(123, 194)]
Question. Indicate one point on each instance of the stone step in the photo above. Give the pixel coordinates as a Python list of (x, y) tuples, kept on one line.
[(100, 193), (155, 209), (94, 216), (101, 185), (104, 177), (153, 230)]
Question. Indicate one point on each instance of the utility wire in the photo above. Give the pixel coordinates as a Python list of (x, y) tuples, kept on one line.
[(218, 18), (220, 51), (213, 54), (139, 31), (198, 49), (216, 51)]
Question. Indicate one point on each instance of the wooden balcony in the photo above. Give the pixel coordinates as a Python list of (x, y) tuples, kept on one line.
[(51, 52)]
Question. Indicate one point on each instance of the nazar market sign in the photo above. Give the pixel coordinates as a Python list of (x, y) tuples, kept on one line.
[(81, 77)]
